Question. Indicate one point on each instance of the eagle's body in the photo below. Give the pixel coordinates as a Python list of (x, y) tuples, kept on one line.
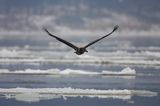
[(80, 50)]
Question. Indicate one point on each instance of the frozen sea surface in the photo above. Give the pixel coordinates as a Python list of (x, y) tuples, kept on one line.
[(115, 72)]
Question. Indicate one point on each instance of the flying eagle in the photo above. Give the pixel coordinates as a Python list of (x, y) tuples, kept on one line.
[(79, 50)]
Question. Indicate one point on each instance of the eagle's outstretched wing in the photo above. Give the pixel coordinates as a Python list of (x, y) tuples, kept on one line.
[(61, 40), (115, 28)]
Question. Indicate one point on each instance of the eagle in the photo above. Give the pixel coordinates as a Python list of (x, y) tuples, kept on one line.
[(79, 50)]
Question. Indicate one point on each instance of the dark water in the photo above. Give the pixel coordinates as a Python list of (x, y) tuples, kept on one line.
[(29, 65)]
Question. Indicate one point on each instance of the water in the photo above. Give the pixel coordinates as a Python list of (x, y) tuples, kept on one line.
[(115, 72)]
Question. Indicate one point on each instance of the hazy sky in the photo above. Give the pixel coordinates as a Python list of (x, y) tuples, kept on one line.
[(80, 17)]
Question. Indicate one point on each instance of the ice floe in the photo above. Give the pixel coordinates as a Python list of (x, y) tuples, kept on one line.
[(37, 94), (125, 72)]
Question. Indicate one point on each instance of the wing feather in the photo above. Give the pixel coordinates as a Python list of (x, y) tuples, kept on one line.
[(115, 28), (61, 40)]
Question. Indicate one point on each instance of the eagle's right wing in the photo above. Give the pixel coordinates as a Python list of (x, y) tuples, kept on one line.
[(61, 40)]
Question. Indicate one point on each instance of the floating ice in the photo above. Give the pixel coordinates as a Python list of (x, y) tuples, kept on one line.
[(37, 94), (13, 53), (125, 72), (141, 58), (122, 61)]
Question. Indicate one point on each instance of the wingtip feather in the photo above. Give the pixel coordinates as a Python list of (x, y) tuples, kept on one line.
[(115, 28)]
